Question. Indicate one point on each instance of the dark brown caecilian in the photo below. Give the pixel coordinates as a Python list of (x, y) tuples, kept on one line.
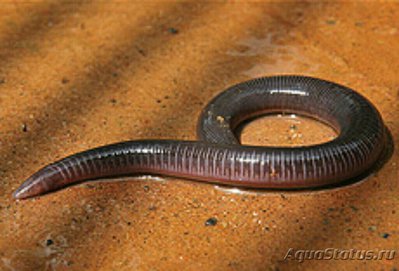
[(218, 157)]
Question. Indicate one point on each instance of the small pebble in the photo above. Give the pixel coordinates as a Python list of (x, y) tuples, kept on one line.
[(24, 127), (211, 222), (173, 30), (141, 51), (372, 228), (354, 208), (331, 22), (385, 235), (49, 242)]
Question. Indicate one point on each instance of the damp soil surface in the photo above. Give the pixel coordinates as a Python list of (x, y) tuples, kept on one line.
[(76, 75)]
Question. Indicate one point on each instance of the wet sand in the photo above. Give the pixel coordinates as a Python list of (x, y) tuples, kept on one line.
[(79, 75)]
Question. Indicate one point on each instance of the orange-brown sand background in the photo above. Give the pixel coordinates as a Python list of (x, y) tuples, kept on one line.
[(79, 74)]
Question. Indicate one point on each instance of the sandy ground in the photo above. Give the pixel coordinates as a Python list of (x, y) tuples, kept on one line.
[(82, 74)]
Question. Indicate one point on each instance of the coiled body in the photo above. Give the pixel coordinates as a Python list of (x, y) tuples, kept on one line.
[(219, 158)]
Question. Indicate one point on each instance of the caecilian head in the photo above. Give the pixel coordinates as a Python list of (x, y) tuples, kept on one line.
[(39, 183)]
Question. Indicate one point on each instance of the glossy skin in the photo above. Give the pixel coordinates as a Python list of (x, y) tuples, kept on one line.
[(219, 158)]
